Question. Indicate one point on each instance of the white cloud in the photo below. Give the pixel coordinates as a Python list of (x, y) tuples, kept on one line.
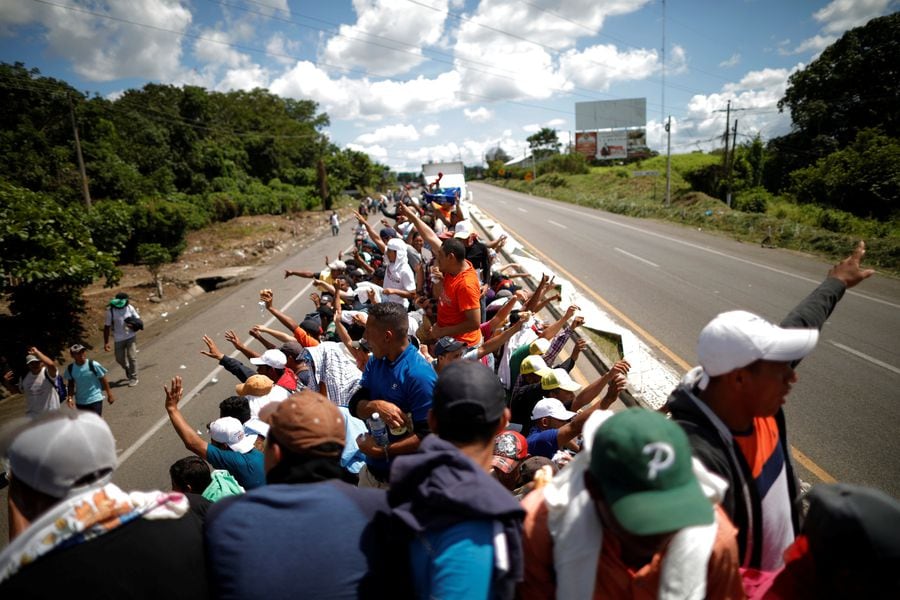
[(214, 48), (347, 98), (598, 67), (478, 115), (281, 49), (431, 130), (379, 153), (841, 15), (103, 49), (559, 27), (731, 61), (556, 123), (388, 36), (246, 78), (754, 102), (531, 128), (389, 133)]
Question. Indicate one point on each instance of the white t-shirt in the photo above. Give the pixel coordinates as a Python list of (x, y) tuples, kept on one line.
[(115, 319), (399, 279), (40, 393)]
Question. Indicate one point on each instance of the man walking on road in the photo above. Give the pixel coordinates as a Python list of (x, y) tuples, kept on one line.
[(86, 380), (38, 385), (731, 408), (122, 320)]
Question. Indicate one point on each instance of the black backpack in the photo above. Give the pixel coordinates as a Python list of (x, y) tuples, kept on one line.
[(91, 365)]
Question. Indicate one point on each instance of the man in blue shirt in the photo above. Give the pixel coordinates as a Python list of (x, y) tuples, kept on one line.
[(306, 534), (231, 448), (463, 527), (86, 381), (397, 383), (555, 428)]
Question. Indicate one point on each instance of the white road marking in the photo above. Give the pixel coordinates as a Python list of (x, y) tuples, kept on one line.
[(634, 256), (560, 225), (560, 206), (866, 357), (520, 209)]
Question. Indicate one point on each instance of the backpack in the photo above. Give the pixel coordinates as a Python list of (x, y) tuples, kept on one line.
[(91, 365), (61, 388)]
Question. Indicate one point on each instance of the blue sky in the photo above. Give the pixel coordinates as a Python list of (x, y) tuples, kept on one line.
[(409, 81)]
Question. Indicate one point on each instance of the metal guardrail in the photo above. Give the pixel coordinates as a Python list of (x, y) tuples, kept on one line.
[(600, 362)]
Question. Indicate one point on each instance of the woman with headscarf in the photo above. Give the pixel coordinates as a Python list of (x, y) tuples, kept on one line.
[(399, 280)]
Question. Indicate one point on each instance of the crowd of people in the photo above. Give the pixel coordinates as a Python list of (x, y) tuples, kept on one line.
[(415, 434)]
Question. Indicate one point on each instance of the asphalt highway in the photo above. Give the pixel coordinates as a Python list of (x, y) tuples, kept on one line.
[(670, 280)]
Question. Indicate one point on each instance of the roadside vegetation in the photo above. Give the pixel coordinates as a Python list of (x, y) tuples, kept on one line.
[(159, 162), (834, 179)]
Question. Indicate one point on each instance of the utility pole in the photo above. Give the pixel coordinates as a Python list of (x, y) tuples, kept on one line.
[(731, 162), (727, 132), (668, 160), (85, 192), (533, 167)]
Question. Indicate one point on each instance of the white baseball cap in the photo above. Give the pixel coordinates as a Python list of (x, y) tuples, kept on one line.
[(229, 430), (551, 407), (273, 357), (462, 230), (738, 338)]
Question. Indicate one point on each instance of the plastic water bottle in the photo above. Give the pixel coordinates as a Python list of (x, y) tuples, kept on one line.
[(379, 430)]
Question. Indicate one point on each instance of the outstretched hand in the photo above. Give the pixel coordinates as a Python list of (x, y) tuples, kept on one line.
[(849, 270), (173, 394), (212, 350)]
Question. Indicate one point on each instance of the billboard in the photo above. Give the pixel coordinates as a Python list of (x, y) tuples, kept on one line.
[(612, 145), (586, 143), (611, 114)]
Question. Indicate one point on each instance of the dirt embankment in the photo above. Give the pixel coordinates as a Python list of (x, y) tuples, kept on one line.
[(243, 242)]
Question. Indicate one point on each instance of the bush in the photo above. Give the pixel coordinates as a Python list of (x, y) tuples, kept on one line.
[(753, 200), (573, 164), (159, 221), (552, 179), (111, 225)]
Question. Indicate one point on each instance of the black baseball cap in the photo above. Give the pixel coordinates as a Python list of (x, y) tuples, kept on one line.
[(468, 392), (447, 344)]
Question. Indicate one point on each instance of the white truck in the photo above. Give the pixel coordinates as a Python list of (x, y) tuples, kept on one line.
[(454, 176)]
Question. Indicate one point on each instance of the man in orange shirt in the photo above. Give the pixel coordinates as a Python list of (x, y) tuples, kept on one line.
[(459, 292)]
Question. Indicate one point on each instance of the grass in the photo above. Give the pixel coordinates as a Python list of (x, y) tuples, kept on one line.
[(828, 233)]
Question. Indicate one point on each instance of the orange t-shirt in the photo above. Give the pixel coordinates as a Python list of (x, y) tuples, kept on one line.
[(461, 292), (613, 578), (304, 338)]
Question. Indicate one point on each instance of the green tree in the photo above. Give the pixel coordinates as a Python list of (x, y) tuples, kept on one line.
[(47, 257), (544, 143), (851, 86), (154, 256), (863, 178), (497, 154)]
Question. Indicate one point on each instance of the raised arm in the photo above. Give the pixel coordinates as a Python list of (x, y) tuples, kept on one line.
[(585, 396), (231, 336), (572, 429), (422, 227), (278, 335), (373, 235), (268, 296), (189, 437), (45, 360), (498, 340)]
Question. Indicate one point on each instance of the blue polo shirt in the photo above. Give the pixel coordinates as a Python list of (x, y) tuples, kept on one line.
[(543, 443), (407, 382)]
